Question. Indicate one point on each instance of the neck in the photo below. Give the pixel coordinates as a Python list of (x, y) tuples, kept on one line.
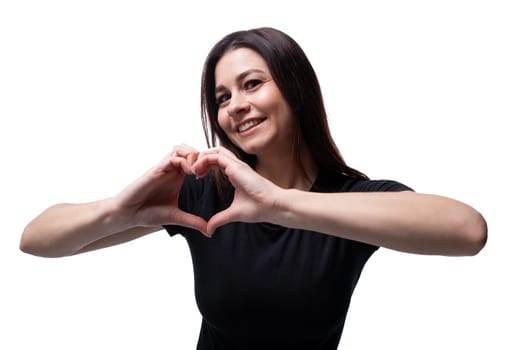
[(287, 170)]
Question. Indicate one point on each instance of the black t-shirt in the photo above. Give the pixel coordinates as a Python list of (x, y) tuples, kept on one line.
[(264, 286)]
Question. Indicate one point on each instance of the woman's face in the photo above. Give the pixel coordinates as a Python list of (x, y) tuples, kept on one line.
[(251, 109)]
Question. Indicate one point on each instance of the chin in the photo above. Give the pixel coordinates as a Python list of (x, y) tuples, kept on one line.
[(251, 148)]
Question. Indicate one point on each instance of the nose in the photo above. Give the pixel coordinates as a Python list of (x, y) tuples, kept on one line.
[(238, 105)]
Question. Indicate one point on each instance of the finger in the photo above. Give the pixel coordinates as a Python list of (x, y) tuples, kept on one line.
[(195, 222), (215, 158), (207, 162), (219, 150), (221, 218), (181, 163), (227, 152), (183, 150), (192, 157), (173, 163), (211, 150)]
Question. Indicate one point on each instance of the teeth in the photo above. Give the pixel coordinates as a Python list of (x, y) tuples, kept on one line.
[(248, 125)]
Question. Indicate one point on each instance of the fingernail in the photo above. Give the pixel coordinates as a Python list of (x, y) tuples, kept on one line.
[(192, 157)]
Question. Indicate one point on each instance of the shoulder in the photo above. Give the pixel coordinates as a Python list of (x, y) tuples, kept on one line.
[(339, 182)]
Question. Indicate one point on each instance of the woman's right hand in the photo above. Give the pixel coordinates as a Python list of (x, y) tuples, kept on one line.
[(152, 200), (141, 208)]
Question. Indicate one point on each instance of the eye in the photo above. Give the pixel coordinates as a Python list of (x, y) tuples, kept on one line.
[(251, 84), (222, 98)]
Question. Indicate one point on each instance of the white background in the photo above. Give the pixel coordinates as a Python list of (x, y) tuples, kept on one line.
[(424, 92)]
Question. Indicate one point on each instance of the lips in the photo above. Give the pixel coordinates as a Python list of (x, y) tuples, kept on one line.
[(248, 124)]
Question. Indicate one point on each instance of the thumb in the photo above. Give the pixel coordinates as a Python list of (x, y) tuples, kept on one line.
[(221, 218), (183, 218)]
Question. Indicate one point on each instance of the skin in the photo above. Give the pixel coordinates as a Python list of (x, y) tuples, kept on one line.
[(247, 92), (276, 191), (141, 208)]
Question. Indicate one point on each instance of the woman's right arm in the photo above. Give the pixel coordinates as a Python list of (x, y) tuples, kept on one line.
[(141, 208), (68, 229)]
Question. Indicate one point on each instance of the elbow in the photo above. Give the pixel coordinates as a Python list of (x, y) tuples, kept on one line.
[(26, 246), (474, 234), (30, 244)]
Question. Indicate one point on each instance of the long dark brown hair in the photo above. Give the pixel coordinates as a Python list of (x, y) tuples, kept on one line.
[(298, 83)]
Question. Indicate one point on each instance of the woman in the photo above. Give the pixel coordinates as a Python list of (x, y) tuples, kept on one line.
[(286, 225)]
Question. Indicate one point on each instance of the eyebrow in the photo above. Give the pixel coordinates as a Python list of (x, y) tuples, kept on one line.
[(239, 78)]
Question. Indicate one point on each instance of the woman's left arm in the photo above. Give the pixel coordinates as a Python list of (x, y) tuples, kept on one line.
[(405, 221)]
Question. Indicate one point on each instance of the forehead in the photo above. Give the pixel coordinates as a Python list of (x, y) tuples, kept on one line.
[(237, 61)]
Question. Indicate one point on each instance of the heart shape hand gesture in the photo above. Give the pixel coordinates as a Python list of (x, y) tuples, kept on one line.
[(255, 198), (152, 200)]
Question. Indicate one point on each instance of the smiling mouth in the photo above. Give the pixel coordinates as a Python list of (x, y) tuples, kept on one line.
[(249, 124)]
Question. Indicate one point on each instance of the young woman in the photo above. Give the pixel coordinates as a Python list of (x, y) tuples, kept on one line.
[(278, 226)]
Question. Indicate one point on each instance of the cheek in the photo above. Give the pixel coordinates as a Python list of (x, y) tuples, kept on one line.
[(222, 120), (274, 101), (286, 117)]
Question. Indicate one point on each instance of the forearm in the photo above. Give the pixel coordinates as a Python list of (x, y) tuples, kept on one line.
[(404, 221), (64, 229)]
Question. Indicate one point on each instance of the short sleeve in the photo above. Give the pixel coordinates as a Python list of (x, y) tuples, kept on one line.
[(381, 186), (172, 229)]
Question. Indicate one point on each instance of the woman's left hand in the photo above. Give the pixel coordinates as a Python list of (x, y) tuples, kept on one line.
[(255, 198)]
